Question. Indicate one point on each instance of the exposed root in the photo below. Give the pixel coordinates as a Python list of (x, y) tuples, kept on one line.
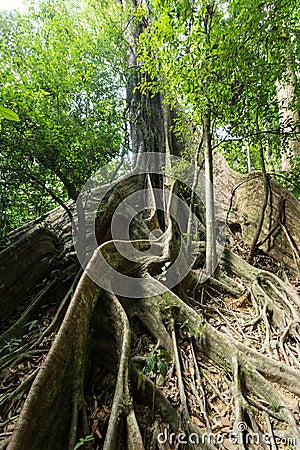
[(10, 400), (24, 264), (49, 292), (234, 341), (65, 360), (122, 400), (55, 324), (178, 368)]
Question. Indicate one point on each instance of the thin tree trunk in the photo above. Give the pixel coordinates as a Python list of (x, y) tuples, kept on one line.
[(211, 250), (289, 118), (248, 157), (192, 204), (268, 152), (266, 191)]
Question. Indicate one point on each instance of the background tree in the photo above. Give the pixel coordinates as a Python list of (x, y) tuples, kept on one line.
[(221, 62), (59, 73)]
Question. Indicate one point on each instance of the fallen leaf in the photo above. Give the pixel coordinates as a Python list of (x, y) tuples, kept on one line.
[(94, 426), (225, 421), (197, 421)]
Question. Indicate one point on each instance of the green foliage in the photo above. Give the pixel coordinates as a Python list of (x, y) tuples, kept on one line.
[(62, 70), (188, 329), (226, 57), (157, 363), (169, 301), (83, 440), (291, 178), (60, 75), (31, 324), (185, 327), (11, 345), (150, 363), (8, 114), (226, 369), (157, 359)]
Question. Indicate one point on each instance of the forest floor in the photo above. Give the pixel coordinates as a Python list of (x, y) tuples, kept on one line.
[(209, 389)]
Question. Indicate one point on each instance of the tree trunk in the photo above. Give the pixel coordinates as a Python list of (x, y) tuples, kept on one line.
[(266, 191), (289, 119), (211, 250), (242, 194)]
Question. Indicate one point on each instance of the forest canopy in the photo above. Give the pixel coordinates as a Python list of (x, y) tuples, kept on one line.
[(63, 77), (237, 61)]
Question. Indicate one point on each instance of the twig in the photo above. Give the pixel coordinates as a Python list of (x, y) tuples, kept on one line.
[(271, 433), (239, 401), (201, 401), (57, 319), (216, 389), (178, 368), (266, 345), (295, 360), (295, 251), (20, 390)]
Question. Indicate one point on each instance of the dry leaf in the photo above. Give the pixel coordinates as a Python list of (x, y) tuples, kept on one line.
[(225, 421), (197, 421)]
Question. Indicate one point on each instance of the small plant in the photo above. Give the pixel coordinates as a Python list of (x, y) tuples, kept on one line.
[(11, 345), (188, 330), (226, 369), (185, 327), (157, 362), (199, 332), (168, 302), (31, 324), (83, 440)]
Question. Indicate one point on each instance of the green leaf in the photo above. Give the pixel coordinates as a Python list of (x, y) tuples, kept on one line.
[(31, 324), (165, 354), (162, 367), (79, 444), (8, 114), (150, 364), (82, 441)]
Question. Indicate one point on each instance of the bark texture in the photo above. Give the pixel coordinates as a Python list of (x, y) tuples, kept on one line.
[(242, 195)]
